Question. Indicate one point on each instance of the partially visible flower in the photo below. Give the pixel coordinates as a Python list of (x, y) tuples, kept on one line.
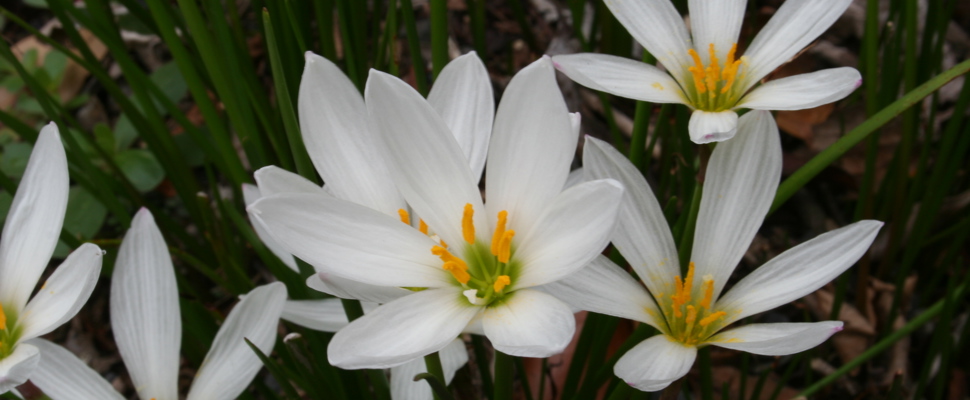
[(709, 74), (328, 316), (148, 331), (30, 233), (742, 177), (484, 258)]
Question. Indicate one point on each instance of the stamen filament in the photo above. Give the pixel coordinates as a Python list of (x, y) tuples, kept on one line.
[(689, 321), (501, 283), (468, 224), (405, 218)]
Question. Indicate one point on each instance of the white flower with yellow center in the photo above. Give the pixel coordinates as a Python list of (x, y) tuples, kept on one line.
[(30, 233), (708, 73), (688, 309), (148, 329), (485, 258)]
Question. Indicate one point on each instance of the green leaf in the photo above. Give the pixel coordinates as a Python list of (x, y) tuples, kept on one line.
[(84, 218), (141, 168), (13, 162), (169, 79)]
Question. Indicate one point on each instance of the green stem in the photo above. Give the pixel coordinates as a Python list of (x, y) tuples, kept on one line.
[(439, 36), (433, 363), (504, 376)]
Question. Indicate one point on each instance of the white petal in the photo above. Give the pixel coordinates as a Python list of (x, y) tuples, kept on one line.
[(325, 315), (351, 240), (334, 285), (620, 76), (251, 193), (272, 180), (403, 386), (529, 323), (17, 367), (794, 26), (532, 145), (462, 95), (576, 177), (778, 339), (402, 330), (717, 23), (708, 126), (800, 270), (573, 229), (67, 289), (642, 234), (655, 363), (803, 91), (742, 176), (345, 151), (426, 162), (145, 310), (231, 364), (63, 376), (658, 26), (34, 221), (605, 288)]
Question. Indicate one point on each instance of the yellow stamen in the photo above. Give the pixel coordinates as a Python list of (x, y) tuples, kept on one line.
[(698, 71), (405, 217), (712, 72), (499, 231), (447, 257), (3, 319), (505, 248), (423, 227), (676, 309), (711, 318), (467, 224), (443, 244), (689, 282), (501, 282), (708, 293), (458, 271)]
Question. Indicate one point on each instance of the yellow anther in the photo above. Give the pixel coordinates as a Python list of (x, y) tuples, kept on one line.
[(405, 217), (501, 282), (505, 248), (689, 282), (423, 227), (458, 271), (708, 293), (711, 318), (698, 71), (3, 319), (499, 232), (447, 257), (468, 224), (712, 72), (676, 309)]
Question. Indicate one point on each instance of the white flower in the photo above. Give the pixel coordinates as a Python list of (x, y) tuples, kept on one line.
[(30, 233), (708, 74), (742, 177), (486, 259), (148, 331)]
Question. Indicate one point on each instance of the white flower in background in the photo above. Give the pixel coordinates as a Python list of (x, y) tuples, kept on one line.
[(484, 259), (148, 330), (30, 233), (708, 74), (742, 177)]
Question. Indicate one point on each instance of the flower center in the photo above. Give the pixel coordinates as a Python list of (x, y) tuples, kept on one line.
[(8, 337), (714, 85), (486, 270), (690, 321)]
